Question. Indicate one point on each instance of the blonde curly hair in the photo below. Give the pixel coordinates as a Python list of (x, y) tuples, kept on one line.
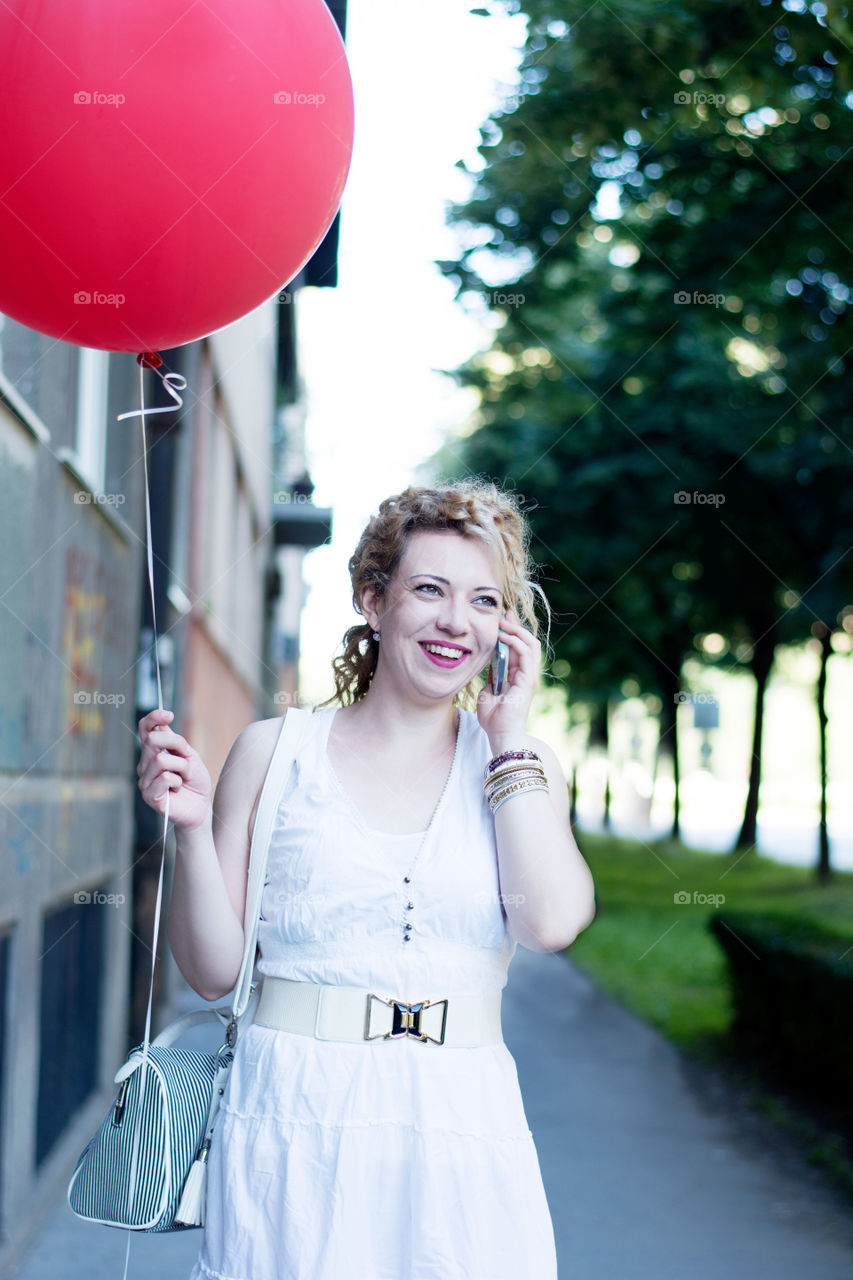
[(472, 508)]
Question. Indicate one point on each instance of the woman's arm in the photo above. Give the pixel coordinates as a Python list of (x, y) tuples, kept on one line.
[(208, 901), (547, 888), (204, 932)]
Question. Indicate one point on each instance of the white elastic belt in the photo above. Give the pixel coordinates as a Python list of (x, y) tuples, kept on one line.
[(360, 1015)]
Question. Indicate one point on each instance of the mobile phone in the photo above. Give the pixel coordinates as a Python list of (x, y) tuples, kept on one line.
[(497, 669)]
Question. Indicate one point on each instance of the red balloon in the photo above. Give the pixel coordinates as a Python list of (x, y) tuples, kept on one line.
[(164, 167)]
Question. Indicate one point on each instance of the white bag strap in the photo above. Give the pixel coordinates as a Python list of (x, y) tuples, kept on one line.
[(291, 736), (173, 1032)]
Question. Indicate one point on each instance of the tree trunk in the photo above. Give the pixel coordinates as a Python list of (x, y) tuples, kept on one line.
[(762, 662), (606, 744), (599, 736), (671, 698), (824, 871)]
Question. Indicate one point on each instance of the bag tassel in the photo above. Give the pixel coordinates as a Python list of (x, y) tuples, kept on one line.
[(191, 1209)]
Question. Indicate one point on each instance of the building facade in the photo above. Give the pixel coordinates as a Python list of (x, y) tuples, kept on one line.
[(81, 853)]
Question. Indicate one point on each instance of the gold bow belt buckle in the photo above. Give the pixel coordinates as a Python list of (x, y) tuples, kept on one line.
[(406, 1019)]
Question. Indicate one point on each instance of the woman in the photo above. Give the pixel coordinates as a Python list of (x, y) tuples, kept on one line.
[(417, 841)]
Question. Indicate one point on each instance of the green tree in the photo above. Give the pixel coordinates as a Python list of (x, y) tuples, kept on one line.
[(660, 216)]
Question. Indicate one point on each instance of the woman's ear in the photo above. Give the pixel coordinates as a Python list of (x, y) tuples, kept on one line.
[(369, 601)]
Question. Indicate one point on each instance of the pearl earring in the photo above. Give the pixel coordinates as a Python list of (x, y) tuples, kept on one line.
[(376, 635)]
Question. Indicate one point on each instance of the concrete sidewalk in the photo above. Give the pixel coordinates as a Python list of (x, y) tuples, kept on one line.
[(649, 1177)]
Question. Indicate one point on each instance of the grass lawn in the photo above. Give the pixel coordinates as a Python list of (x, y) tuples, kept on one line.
[(654, 953)]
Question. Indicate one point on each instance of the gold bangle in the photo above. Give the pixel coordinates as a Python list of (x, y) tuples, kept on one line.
[(524, 767), (517, 775), (507, 795), (530, 785)]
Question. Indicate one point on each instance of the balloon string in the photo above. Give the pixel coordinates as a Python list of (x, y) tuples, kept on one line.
[(173, 382)]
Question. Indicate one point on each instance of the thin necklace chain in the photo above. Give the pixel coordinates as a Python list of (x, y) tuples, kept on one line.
[(408, 876)]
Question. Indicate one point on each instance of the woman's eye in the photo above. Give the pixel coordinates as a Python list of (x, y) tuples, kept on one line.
[(432, 588)]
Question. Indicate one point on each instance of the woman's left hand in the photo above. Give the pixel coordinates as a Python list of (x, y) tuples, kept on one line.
[(506, 713)]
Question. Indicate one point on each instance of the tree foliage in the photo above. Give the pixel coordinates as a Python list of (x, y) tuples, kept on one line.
[(663, 221)]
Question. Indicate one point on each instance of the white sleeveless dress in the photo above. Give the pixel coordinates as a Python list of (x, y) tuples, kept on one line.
[(392, 1159)]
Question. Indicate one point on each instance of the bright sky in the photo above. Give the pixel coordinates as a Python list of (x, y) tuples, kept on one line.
[(425, 78)]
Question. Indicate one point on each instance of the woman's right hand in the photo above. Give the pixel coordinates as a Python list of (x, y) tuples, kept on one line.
[(168, 764)]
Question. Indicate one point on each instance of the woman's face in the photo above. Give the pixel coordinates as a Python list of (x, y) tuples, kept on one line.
[(439, 621)]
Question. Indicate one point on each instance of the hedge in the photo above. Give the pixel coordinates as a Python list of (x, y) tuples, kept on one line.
[(792, 996)]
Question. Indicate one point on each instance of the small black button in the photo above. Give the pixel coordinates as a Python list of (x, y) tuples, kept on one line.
[(410, 906), (406, 879)]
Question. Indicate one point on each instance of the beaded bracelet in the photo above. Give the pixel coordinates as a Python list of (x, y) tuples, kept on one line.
[(493, 787), (497, 761), (535, 780), (508, 792), (509, 770)]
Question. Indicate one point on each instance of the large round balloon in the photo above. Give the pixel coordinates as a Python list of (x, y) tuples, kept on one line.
[(164, 167)]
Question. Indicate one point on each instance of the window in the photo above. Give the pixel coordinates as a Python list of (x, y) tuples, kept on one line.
[(72, 964), (42, 373), (90, 446)]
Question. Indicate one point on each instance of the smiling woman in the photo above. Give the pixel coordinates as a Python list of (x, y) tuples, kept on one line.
[(373, 1117), (477, 511)]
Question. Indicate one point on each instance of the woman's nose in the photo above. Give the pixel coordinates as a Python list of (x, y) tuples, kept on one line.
[(452, 617)]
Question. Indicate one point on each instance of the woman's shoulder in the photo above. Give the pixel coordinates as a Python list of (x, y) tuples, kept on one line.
[(271, 726), (254, 749), (257, 741), (258, 738)]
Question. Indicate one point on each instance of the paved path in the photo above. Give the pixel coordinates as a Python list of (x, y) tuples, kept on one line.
[(649, 1176)]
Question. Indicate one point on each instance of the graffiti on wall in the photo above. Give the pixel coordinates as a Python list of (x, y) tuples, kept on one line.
[(92, 626)]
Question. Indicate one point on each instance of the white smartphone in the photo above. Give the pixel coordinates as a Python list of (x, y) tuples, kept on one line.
[(497, 669)]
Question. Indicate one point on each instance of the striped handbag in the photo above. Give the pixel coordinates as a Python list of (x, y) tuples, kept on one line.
[(145, 1168)]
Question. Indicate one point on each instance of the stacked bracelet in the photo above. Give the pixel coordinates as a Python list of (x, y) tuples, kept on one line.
[(496, 801), (497, 761), (494, 785), (510, 773)]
